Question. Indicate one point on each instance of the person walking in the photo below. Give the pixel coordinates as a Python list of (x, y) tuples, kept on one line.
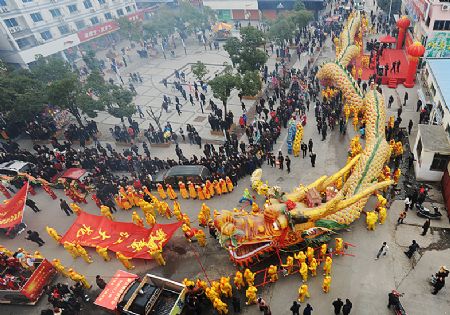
[(65, 207), (425, 227), (407, 202), (438, 285), (391, 100), (295, 308), (337, 304), (410, 125), (313, 159), (34, 237), (308, 310), (347, 307), (412, 249), (401, 217), (30, 203), (304, 148), (383, 250), (310, 145), (288, 164), (405, 98), (100, 282)]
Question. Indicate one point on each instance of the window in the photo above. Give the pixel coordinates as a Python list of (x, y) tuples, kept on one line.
[(80, 24), (441, 25), (3, 3), (128, 8), (101, 1), (64, 29), (439, 163), (27, 1), (448, 130), (87, 4), (36, 17), (55, 12), (72, 8), (46, 35), (22, 42), (108, 16), (120, 12), (11, 22), (94, 20), (433, 89)]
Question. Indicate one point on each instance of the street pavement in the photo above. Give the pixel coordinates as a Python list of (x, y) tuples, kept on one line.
[(357, 276)]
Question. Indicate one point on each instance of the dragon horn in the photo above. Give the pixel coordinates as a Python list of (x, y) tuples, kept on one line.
[(328, 181)]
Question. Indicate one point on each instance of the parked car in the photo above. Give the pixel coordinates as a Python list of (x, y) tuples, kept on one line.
[(196, 174), (12, 168)]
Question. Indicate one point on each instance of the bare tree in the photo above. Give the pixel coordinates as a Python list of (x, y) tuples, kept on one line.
[(155, 118)]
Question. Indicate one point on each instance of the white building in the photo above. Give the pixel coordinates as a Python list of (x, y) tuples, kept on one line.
[(29, 28), (432, 146)]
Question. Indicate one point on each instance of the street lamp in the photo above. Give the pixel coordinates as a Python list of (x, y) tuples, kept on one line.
[(280, 6)]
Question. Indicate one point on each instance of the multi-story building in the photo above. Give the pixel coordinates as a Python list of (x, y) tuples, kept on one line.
[(430, 24), (31, 28)]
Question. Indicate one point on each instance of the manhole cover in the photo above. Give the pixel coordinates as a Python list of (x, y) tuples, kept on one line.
[(280, 179), (199, 119)]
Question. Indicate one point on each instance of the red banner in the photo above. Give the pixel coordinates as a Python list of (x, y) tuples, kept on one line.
[(111, 294), (40, 277), (12, 212), (97, 31), (128, 238)]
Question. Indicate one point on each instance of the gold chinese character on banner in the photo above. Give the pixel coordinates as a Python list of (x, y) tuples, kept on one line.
[(84, 230), (102, 235)]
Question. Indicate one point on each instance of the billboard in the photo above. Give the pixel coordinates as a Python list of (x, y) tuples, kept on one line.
[(438, 45)]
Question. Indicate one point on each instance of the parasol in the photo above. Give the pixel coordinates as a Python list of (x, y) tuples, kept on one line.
[(221, 26)]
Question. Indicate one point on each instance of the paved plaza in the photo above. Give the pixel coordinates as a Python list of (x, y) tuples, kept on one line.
[(357, 276)]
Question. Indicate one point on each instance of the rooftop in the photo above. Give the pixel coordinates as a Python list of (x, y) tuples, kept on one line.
[(434, 139), (440, 71)]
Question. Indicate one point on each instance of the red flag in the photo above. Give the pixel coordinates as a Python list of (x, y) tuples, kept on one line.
[(128, 238), (11, 213)]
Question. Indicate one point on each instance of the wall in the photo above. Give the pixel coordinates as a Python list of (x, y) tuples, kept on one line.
[(438, 98), (422, 167)]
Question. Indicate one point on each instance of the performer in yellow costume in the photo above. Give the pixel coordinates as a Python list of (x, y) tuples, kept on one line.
[(239, 280), (76, 208), (177, 211), (300, 256), (310, 254), (53, 234), (250, 294), (126, 261), (229, 184), (313, 267), (371, 220), (223, 186), (200, 194), (75, 276), (210, 187), (170, 192), (38, 255), (183, 191), (6, 251), (137, 219), (70, 247), (339, 248), (217, 187), (249, 277), (327, 266), (103, 252), (326, 284), (192, 192), (206, 192), (106, 212), (84, 254), (289, 264), (156, 253), (304, 271), (59, 267), (150, 219), (220, 306), (323, 251), (201, 238), (225, 287), (272, 272), (303, 292), (161, 192), (382, 214), (211, 294)]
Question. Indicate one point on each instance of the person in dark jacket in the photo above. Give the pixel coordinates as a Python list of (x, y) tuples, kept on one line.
[(308, 310), (425, 227), (34, 237), (347, 307), (100, 282), (337, 304), (295, 308), (30, 203), (313, 159), (65, 207)]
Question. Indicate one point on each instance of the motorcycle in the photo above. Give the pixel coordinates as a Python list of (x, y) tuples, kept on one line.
[(394, 301), (426, 213)]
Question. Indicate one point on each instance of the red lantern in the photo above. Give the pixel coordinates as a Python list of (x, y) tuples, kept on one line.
[(416, 49), (403, 22)]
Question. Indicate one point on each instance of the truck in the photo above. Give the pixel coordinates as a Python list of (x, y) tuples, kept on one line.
[(128, 294), (26, 286)]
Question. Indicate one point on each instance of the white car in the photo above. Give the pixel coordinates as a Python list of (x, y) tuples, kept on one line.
[(12, 168)]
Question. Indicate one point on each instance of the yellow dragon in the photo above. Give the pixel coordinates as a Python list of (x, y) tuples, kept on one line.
[(291, 218)]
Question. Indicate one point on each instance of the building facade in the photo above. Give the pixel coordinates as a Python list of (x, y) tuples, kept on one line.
[(228, 10), (31, 28), (431, 25), (432, 147)]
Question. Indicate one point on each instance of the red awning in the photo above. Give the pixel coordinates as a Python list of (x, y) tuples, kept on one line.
[(73, 173), (387, 39), (109, 298)]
